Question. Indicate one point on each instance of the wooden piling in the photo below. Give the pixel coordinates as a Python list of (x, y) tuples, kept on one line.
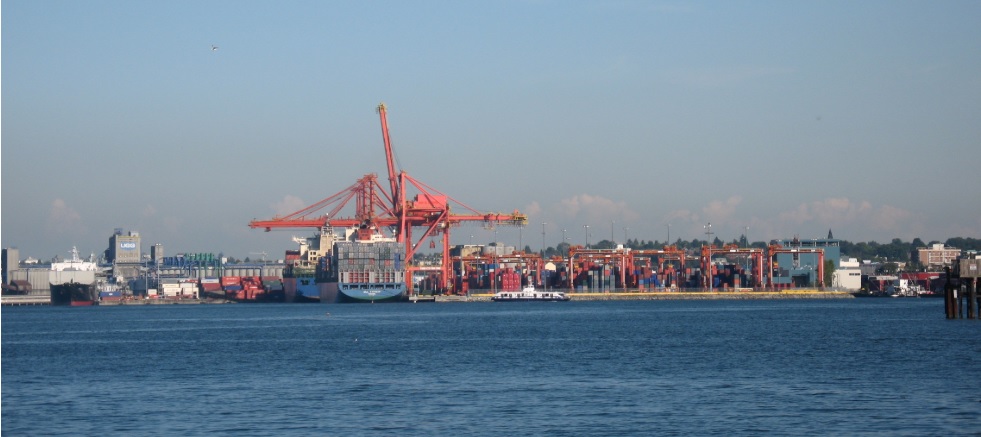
[(962, 285), (972, 298), (952, 298)]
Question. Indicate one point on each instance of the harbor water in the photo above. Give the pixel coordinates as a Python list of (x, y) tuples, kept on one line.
[(821, 367)]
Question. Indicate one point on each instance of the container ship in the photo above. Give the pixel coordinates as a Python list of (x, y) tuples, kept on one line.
[(365, 271), (353, 265), (73, 282), (300, 272)]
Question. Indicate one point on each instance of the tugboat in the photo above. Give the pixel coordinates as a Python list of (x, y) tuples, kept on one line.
[(529, 294)]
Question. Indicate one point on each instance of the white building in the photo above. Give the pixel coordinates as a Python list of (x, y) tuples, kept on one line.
[(848, 275)]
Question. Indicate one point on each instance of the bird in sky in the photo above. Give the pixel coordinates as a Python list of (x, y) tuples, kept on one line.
[(214, 48)]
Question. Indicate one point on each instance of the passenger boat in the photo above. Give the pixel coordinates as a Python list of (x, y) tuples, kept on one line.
[(530, 294)]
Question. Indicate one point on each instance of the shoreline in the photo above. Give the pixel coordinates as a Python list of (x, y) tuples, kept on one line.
[(696, 295), (486, 297)]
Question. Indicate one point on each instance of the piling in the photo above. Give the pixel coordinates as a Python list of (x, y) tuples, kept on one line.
[(972, 298), (961, 289)]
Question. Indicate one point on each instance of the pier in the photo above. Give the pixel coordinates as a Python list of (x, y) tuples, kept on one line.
[(690, 295), (961, 290), (25, 300)]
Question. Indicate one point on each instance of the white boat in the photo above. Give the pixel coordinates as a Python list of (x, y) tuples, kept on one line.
[(529, 294)]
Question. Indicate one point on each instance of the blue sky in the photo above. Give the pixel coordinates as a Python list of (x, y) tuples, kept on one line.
[(788, 118)]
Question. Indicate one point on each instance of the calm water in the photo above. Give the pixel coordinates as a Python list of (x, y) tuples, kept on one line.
[(844, 367)]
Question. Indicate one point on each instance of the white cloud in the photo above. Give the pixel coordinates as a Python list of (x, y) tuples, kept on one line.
[(288, 205), (533, 209), (588, 208), (682, 215), (722, 209), (64, 219), (839, 212)]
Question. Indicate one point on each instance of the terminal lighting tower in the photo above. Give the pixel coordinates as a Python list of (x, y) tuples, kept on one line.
[(613, 242), (707, 274), (543, 238)]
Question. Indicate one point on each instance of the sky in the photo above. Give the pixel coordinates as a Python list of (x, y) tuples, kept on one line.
[(638, 119)]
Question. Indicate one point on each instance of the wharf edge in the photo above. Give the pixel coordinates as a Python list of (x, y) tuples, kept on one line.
[(486, 297), (666, 295)]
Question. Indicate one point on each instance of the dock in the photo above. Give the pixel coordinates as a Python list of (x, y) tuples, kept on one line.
[(680, 295), (961, 298), (25, 300)]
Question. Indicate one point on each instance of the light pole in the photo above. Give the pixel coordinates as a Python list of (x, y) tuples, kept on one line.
[(543, 239), (708, 266), (668, 243), (541, 274), (613, 242), (586, 227), (746, 234)]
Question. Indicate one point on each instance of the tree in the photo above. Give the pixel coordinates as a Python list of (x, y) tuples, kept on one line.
[(829, 272), (889, 268)]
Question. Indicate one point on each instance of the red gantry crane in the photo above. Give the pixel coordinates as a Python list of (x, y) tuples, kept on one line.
[(377, 208)]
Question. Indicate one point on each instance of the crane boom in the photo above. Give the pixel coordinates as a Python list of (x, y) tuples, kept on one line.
[(389, 157)]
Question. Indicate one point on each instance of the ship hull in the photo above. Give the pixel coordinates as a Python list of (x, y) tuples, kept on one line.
[(371, 292), (301, 289), (72, 294), (333, 292), (328, 292)]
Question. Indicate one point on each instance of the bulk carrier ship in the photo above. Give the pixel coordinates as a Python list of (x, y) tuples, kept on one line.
[(73, 282)]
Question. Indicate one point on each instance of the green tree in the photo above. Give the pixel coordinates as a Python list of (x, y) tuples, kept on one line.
[(829, 272), (889, 268)]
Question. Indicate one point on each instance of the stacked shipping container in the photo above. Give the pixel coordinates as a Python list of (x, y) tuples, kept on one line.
[(369, 263)]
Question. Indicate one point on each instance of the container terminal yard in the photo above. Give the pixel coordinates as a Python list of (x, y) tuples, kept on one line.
[(371, 256)]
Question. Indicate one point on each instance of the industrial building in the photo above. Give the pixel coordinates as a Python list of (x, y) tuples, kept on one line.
[(800, 268), (848, 275)]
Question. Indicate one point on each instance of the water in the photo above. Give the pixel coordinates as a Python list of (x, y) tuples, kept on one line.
[(841, 367)]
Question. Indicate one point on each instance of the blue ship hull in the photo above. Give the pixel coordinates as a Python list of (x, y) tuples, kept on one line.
[(301, 289), (381, 292)]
